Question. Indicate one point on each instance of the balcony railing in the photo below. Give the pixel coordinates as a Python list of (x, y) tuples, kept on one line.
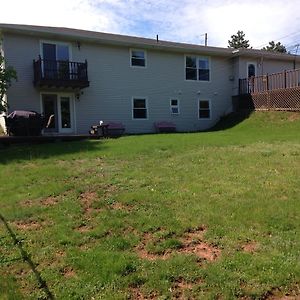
[(270, 82), (60, 73)]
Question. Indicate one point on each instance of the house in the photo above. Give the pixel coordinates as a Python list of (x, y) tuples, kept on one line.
[(77, 78)]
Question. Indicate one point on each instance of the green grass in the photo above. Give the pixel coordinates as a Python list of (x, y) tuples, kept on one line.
[(241, 184)]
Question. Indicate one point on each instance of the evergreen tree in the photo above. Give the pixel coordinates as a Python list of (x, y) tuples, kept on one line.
[(278, 47), (238, 41)]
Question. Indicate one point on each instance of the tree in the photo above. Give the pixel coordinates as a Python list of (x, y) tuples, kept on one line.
[(7, 75), (238, 41), (278, 47)]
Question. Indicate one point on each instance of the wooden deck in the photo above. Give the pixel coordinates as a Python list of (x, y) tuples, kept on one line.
[(9, 140)]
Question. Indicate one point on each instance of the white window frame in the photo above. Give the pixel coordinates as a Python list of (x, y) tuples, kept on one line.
[(197, 67), (146, 107), (177, 106), (210, 110), (130, 58)]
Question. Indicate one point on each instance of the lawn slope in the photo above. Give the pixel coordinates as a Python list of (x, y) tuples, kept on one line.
[(198, 216)]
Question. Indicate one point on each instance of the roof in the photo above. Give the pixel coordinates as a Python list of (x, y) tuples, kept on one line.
[(132, 41)]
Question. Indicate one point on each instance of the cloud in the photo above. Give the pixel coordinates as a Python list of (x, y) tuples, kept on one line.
[(177, 20)]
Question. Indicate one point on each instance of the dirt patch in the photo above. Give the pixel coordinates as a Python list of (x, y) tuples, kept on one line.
[(27, 203), (277, 294), (144, 254), (108, 190), (87, 199), (180, 288), (191, 243), (121, 206), (68, 272), (28, 225), (250, 247), (136, 294), (202, 250), (83, 228), (22, 273), (60, 253), (49, 201), (294, 116)]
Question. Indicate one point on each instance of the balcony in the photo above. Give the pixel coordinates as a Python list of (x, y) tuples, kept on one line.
[(60, 74)]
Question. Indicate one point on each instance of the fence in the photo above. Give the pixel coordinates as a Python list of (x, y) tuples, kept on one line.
[(278, 91)]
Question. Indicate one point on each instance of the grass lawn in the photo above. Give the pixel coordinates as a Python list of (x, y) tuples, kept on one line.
[(213, 215)]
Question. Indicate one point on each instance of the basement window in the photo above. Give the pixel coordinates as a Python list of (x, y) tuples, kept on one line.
[(204, 109), (139, 108), (174, 106)]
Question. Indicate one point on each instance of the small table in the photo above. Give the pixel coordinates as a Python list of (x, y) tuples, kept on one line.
[(97, 129)]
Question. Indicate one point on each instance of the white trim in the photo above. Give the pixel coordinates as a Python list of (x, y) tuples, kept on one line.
[(197, 68), (178, 106), (145, 57), (146, 106), (210, 110), (251, 63), (59, 95)]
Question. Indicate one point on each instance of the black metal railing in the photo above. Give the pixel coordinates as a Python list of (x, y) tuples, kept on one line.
[(60, 73)]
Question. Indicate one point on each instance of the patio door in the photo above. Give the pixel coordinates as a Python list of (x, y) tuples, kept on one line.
[(65, 114), (58, 110)]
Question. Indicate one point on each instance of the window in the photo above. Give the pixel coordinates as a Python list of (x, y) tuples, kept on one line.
[(197, 68), (174, 105), (204, 109), (55, 52), (203, 69), (191, 68), (138, 58), (139, 110), (56, 58), (251, 70)]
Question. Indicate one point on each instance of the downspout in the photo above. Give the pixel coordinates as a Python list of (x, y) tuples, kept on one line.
[(295, 57), (262, 65)]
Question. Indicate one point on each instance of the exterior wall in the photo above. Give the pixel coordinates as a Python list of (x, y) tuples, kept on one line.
[(113, 83), (19, 53), (264, 66), (236, 76)]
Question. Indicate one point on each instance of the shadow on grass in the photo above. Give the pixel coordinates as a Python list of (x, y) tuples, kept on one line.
[(231, 120), (27, 258), (25, 152)]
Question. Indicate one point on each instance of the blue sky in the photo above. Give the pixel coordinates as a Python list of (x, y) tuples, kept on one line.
[(177, 20)]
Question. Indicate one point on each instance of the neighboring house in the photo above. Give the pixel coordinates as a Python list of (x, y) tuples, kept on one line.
[(82, 77)]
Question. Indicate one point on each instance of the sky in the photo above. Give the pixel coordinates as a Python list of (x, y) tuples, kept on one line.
[(176, 20)]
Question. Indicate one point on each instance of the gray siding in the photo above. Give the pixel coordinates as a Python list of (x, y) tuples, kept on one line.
[(19, 53), (264, 66), (113, 83)]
